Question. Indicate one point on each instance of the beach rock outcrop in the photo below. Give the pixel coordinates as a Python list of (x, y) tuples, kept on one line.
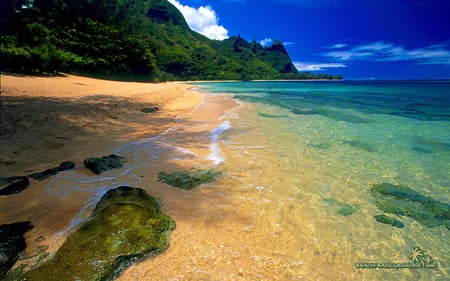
[(189, 179), (66, 165), (13, 185), (11, 244), (403, 201), (126, 225), (389, 220), (99, 165)]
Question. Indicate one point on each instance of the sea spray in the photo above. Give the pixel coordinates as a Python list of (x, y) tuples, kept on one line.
[(215, 155)]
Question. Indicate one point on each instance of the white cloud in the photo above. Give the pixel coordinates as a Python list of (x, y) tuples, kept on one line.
[(337, 46), (204, 20), (307, 66), (383, 51), (266, 42)]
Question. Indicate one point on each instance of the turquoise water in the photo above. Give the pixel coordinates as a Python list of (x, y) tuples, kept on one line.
[(295, 200), (314, 150)]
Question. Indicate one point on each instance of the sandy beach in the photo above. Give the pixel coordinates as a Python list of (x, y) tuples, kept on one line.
[(48, 120), (294, 201)]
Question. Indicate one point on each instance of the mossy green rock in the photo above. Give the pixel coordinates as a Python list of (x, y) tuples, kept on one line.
[(126, 225), (389, 220), (402, 200), (189, 179)]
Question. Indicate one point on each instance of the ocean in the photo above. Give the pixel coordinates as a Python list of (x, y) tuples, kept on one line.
[(315, 152), (321, 180)]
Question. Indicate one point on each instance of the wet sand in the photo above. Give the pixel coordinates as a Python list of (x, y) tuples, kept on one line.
[(48, 120), (266, 218)]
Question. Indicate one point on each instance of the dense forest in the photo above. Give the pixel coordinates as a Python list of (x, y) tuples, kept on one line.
[(146, 38)]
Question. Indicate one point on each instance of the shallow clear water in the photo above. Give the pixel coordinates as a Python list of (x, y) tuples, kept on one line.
[(313, 150), (298, 161)]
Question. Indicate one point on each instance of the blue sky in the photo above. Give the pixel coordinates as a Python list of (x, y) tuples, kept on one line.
[(360, 39)]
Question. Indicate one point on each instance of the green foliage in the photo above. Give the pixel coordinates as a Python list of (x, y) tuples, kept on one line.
[(189, 179), (309, 76), (129, 37)]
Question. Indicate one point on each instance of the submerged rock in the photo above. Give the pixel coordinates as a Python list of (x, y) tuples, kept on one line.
[(189, 179), (13, 185), (67, 165), (267, 115), (99, 165), (389, 220), (402, 200), (332, 114), (127, 224), (150, 109), (360, 145), (11, 244), (341, 208)]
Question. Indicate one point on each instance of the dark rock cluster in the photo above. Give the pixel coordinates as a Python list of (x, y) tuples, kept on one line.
[(99, 165), (11, 244), (11, 235), (66, 165), (126, 225), (13, 185)]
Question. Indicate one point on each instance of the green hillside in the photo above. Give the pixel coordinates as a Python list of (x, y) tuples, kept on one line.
[(147, 38)]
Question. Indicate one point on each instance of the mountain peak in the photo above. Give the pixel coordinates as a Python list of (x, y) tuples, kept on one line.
[(161, 11), (149, 38)]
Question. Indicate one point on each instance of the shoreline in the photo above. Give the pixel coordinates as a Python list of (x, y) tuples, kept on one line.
[(286, 205), (92, 118)]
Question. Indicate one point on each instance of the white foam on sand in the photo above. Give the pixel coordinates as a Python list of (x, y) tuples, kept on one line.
[(215, 155)]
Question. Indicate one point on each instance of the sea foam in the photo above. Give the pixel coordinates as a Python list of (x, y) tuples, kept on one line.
[(215, 155)]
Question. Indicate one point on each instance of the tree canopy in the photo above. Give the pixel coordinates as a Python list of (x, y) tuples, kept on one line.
[(128, 37)]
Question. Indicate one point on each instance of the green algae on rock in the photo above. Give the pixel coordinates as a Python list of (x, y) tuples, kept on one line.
[(188, 179), (127, 224), (402, 200), (389, 220)]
